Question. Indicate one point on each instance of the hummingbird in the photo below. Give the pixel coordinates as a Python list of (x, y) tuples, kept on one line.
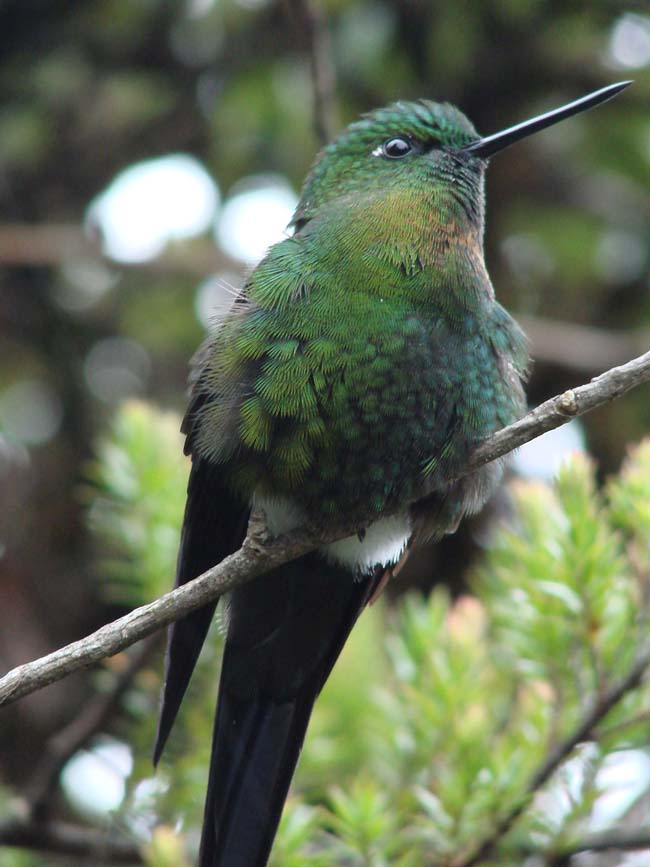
[(362, 361)]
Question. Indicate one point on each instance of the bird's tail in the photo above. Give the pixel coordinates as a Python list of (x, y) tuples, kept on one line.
[(286, 631), (214, 526)]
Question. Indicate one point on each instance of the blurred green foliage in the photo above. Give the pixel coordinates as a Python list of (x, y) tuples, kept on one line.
[(439, 712), (91, 89), (136, 501)]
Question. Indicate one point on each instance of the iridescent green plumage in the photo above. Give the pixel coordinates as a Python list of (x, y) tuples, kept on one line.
[(367, 353), (364, 358)]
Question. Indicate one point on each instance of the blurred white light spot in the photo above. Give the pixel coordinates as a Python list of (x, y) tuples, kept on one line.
[(116, 369), (541, 458), (152, 203), (83, 284), (623, 777), (629, 44), (255, 217), (620, 256), (142, 813), (30, 412), (148, 790), (94, 780), (634, 859)]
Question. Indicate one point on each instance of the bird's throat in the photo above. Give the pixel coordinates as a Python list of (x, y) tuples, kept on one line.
[(419, 244)]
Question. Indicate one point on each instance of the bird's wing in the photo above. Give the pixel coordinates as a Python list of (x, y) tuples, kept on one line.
[(215, 518), (214, 526), (287, 627)]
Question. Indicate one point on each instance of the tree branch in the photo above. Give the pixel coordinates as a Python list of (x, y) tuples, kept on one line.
[(70, 739), (257, 554), (260, 553), (562, 408), (613, 839), (623, 841), (323, 75), (95, 847), (553, 761)]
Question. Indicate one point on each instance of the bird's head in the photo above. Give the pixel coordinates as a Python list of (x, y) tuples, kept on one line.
[(418, 146), (406, 145)]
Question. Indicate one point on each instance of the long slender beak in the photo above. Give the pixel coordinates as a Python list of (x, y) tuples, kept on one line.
[(489, 145)]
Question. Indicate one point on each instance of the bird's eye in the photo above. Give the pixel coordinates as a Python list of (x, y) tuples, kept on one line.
[(396, 148)]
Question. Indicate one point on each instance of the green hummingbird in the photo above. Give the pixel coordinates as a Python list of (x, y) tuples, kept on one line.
[(363, 360)]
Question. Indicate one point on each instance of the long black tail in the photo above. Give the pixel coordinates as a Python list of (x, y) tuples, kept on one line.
[(213, 527), (286, 631)]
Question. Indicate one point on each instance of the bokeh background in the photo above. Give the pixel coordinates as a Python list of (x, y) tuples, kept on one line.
[(149, 154)]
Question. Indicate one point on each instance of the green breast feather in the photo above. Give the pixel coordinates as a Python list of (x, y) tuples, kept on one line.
[(336, 396)]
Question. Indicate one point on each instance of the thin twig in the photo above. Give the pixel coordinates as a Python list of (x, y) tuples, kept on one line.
[(614, 839), (95, 847), (260, 553), (555, 758), (323, 74), (70, 739), (623, 841)]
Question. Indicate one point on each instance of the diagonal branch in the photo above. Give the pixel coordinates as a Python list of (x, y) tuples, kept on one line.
[(260, 553), (604, 841), (560, 409), (610, 840), (61, 838)]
